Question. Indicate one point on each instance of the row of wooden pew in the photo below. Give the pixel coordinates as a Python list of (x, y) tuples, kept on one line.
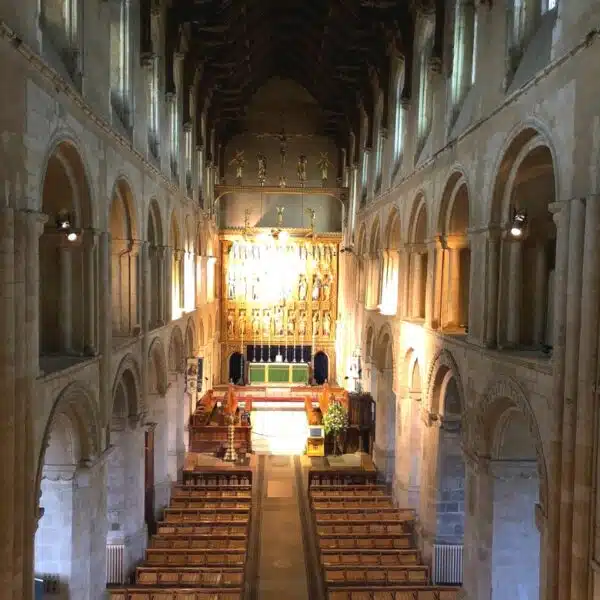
[(367, 545), (200, 548)]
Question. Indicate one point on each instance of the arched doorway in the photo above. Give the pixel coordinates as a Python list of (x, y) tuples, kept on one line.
[(515, 495), (127, 532), (236, 368), (321, 367), (70, 537)]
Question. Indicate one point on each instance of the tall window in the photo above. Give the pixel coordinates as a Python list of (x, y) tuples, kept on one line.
[(548, 5), (174, 134), (120, 61), (188, 159), (425, 93), (365, 176), (60, 20), (463, 62), (154, 107), (378, 160), (399, 117)]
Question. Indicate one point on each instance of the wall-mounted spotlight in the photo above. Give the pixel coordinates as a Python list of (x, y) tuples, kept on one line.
[(519, 222), (64, 224)]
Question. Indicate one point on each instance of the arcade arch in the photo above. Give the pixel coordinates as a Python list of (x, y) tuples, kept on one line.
[(125, 469), (391, 264), (72, 512), (176, 263)]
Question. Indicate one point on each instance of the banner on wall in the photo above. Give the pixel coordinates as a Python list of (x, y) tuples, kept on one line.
[(191, 378)]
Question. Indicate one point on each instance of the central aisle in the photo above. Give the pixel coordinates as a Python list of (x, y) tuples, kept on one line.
[(282, 571), (279, 428)]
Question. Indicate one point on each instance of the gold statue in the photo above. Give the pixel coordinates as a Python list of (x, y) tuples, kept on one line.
[(302, 288), (256, 323), (316, 290), (327, 324), (279, 321), (316, 319), (302, 169), (291, 323), (262, 168), (324, 164), (239, 162), (326, 287), (302, 323), (266, 319), (230, 324), (242, 323)]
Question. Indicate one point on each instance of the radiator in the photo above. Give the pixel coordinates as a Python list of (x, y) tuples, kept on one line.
[(447, 564), (115, 563)]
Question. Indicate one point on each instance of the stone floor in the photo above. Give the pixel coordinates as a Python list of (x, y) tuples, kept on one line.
[(282, 572)]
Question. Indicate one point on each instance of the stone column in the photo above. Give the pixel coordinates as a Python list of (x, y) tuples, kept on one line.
[(134, 288), (179, 276), (430, 285), (168, 279), (515, 289), (161, 288), (561, 217), (453, 306), (491, 326), (428, 491), (572, 333), (105, 321), (66, 297), (198, 283), (89, 256), (586, 403), (541, 294), (145, 289), (8, 404), (477, 557), (403, 268), (416, 273)]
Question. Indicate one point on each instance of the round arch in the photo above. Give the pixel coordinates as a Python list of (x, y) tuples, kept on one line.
[(176, 350), (77, 405), (125, 222), (158, 366), (443, 368), (128, 374), (190, 339)]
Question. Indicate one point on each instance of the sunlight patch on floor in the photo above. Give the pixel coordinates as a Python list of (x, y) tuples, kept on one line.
[(279, 431)]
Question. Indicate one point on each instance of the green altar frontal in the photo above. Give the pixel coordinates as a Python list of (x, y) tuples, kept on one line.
[(290, 373)]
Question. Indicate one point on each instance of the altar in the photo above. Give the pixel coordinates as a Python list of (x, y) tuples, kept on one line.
[(279, 373)]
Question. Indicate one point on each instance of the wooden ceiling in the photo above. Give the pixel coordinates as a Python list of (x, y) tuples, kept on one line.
[(335, 49)]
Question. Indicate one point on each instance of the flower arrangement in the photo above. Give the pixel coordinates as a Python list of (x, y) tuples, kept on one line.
[(335, 419)]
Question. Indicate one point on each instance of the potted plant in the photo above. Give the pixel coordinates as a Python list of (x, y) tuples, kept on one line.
[(335, 421)]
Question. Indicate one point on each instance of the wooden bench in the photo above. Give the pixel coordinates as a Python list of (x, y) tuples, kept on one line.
[(374, 558), (381, 515), (210, 504), (328, 477), (145, 593), (365, 529), (198, 542), (368, 542), (395, 593), (217, 478), (318, 494), (188, 515), (345, 489), (342, 503), (231, 528), (186, 577), (212, 492), (195, 558), (404, 575)]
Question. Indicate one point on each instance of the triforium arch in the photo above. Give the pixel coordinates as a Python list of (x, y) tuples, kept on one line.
[(416, 301), (67, 315), (385, 401), (156, 252), (443, 510), (521, 269), (127, 389), (454, 255), (512, 492), (373, 267), (190, 339), (176, 350), (157, 368), (362, 262), (392, 241), (124, 260), (68, 471), (176, 267), (189, 266)]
